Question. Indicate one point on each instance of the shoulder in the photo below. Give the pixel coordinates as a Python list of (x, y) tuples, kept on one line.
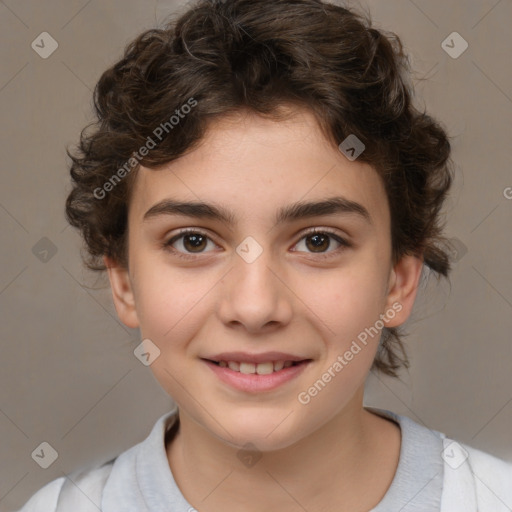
[(45, 499), (487, 478), (473, 480), (491, 471), (82, 490), (486, 462), (73, 488)]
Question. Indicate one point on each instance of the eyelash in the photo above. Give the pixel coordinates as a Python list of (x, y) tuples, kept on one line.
[(343, 243)]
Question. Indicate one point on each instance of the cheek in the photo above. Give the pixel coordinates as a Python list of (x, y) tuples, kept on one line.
[(346, 301), (172, 308), (170, 304), (344, 308)]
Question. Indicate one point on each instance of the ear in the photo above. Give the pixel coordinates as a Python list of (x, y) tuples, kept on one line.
[(122, 293), (402, 289)]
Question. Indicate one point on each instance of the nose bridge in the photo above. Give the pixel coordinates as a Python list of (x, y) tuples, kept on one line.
[(253, 275), (254, 296)]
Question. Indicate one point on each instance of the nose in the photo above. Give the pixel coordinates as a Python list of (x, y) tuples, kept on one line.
[(255, 296)]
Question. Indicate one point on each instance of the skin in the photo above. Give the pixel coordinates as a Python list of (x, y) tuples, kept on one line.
[(330, 454)]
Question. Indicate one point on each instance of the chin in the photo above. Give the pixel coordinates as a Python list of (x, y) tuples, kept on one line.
[(265, 431)]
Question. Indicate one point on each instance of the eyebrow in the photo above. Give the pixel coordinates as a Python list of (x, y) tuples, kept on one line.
[(292, 212)]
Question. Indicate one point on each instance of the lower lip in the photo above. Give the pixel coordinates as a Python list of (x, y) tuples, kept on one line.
[(253, 382)]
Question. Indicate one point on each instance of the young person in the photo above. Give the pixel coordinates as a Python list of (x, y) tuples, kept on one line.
[(264, 197)]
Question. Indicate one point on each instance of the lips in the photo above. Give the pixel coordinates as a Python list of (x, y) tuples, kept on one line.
[(251, 379)]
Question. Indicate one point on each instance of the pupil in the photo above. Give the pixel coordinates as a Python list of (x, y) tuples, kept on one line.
[(196, 241), (318, 240)]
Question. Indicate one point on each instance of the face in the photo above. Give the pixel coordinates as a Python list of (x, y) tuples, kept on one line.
[(258, 279)]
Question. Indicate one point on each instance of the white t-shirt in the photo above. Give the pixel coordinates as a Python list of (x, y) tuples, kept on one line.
[(433, 474)]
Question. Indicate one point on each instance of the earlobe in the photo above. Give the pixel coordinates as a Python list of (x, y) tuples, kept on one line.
[(403, 287), (122, 293)]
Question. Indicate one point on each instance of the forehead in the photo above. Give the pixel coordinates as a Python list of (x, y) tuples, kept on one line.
[(253, 166)]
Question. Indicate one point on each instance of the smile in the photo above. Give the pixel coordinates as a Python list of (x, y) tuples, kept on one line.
[(264, 368), (256, 377)]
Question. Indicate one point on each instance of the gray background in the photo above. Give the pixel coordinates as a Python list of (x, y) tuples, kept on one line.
[(68, 373)]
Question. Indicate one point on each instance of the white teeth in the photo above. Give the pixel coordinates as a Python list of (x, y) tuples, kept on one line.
[(247, 367), (265, 368), (233, 365), (278, 365)]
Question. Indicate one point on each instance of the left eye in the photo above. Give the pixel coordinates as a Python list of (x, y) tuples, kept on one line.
[(320, 241)]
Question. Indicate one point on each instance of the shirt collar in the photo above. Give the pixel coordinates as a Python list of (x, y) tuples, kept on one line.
[(142, 480)]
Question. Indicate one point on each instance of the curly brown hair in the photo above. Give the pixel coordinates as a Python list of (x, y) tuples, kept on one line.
[(224, 56)]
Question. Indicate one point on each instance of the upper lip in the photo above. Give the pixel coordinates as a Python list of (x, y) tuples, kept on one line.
[(245, 357)]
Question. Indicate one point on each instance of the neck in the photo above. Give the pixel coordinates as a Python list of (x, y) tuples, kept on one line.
[(337, 462)]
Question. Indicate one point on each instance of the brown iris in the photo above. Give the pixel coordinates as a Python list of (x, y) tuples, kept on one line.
[(197, 241), (320, 241)]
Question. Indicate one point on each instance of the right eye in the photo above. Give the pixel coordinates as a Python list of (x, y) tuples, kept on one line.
[(190, 242)]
